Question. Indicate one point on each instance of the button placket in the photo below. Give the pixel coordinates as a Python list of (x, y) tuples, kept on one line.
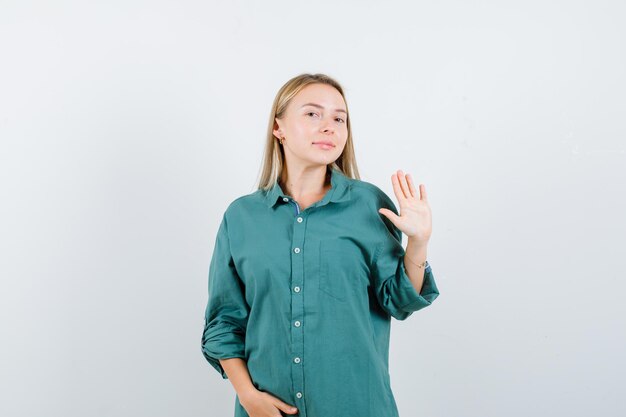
[(297, 303)]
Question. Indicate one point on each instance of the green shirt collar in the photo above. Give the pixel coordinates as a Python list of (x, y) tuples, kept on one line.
[(340, 190)]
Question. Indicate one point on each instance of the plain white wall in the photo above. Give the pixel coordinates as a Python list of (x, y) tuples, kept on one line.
[(128, 127)]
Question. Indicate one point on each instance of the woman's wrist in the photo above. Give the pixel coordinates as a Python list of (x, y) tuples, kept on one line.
[(247, 393)]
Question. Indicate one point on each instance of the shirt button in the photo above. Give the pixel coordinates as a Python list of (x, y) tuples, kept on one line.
[(297, 250), (297, 360), (296, 289), (299, 394), (297, 323), (285, 199), (299, 219)]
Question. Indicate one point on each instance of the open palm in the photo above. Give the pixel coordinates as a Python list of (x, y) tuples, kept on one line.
[(415, 218)]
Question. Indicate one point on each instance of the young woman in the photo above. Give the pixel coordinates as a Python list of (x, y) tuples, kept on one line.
[(306, 273)]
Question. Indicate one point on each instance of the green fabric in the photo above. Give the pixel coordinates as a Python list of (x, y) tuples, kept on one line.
[(306, 297)]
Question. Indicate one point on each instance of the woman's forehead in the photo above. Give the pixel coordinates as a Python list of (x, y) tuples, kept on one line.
[(321, 96)]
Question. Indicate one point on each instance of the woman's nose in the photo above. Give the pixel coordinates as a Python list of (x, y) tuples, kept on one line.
[(327, 126)]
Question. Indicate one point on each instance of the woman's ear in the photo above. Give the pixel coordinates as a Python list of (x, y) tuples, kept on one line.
[(278, 132)]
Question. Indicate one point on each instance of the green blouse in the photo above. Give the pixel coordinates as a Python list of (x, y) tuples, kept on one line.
[(306, 297)]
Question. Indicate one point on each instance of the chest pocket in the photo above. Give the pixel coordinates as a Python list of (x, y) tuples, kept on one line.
[(343, 270)]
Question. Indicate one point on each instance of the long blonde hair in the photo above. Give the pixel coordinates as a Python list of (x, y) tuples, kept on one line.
[(274, 157)]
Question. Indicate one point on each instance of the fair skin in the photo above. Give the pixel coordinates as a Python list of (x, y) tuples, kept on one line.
[(315, 116)]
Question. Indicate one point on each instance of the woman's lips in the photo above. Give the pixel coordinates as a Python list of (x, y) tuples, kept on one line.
[(323, 145)]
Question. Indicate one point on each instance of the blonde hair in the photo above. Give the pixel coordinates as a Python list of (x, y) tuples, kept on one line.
[(274, 157)]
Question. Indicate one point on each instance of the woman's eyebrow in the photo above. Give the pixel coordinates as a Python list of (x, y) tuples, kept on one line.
[(321, 107)]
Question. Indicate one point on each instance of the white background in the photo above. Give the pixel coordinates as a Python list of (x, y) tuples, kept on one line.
[(127, 128)]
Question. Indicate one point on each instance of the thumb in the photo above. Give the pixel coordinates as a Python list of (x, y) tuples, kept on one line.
[(393, 217), (286, 407)]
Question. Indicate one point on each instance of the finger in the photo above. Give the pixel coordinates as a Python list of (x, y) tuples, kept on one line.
[(396, 187), (289, 409), (423, 192), (393, 217), (403, 184), (409, 180)]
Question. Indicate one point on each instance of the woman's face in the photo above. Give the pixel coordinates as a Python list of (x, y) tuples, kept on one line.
[(314, 125)]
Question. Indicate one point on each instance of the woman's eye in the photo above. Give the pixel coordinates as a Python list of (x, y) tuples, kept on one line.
[(338, 118)]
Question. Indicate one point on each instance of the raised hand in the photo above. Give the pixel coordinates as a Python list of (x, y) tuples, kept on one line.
[(415, 218)]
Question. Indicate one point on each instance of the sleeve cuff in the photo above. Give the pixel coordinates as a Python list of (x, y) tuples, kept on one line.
[(223, 345), (409, 299), (215, 363)]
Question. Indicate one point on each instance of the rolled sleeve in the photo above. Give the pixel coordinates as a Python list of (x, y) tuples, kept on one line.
[(392, 285), (226, 314)]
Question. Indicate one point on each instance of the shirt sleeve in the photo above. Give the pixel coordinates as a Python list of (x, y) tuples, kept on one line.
[(392, 286), (227, 311)]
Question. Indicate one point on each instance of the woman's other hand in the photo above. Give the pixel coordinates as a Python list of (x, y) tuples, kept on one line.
[(262, 404)]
